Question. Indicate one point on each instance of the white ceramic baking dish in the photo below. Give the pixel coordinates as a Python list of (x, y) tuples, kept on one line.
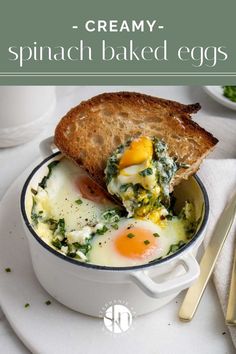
[(87, 288)]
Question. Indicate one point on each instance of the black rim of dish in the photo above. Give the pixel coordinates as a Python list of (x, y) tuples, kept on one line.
[(100, 267)]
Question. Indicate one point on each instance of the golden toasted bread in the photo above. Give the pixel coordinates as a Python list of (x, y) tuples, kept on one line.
[(90, 132)]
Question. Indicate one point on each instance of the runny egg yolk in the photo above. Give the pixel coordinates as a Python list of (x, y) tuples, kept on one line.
[(136, 243), (140, 150)]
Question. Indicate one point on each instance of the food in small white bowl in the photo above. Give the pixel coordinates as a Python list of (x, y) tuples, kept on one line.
[(72, 214), (225, 95), (74, 282), (138, 248)]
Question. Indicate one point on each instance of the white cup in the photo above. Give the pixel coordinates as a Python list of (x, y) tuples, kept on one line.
[(24, 110)]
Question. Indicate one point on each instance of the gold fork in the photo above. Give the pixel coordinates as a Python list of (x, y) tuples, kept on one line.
[(231, 308)]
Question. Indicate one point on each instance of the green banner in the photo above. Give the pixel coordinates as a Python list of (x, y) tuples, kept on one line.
[(117, 42)]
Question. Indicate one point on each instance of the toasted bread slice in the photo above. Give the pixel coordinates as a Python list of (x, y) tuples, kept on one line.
[(90, 132)]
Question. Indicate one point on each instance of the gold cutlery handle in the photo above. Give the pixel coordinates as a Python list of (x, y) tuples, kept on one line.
[(231, 308), (208, 261)]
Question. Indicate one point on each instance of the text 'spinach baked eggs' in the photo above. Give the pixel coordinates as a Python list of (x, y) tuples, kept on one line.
[(75, 216)]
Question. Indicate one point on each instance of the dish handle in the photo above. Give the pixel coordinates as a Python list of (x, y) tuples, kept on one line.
[(170, 286), (47, 147)]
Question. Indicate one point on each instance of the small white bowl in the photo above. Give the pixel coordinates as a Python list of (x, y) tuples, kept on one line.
[(216, 92), (86, 287), (24, 112)]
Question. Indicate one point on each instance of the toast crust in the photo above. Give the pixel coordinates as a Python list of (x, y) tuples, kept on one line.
[(91, 131)]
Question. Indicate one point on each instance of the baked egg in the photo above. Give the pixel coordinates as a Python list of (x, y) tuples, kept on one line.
[(76, 217), (136, 242)]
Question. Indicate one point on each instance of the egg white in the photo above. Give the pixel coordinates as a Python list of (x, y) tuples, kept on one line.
[(104, 252), (58, 201)]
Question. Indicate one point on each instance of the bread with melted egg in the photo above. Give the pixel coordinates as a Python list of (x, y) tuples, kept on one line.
[(91, 131)]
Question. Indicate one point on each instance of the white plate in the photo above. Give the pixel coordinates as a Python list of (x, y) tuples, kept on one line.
[(56, 329), (216, 92)]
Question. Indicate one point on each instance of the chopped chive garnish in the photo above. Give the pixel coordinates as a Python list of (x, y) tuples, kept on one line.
[(48, 302), (43, 183), (156, 234), (61, 227), (57, 243), (115, 226), (102, 230), (8, 270), (79, 201), (130, 235), (176, 247), (111, 216), (27, 305), (146, 242)]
